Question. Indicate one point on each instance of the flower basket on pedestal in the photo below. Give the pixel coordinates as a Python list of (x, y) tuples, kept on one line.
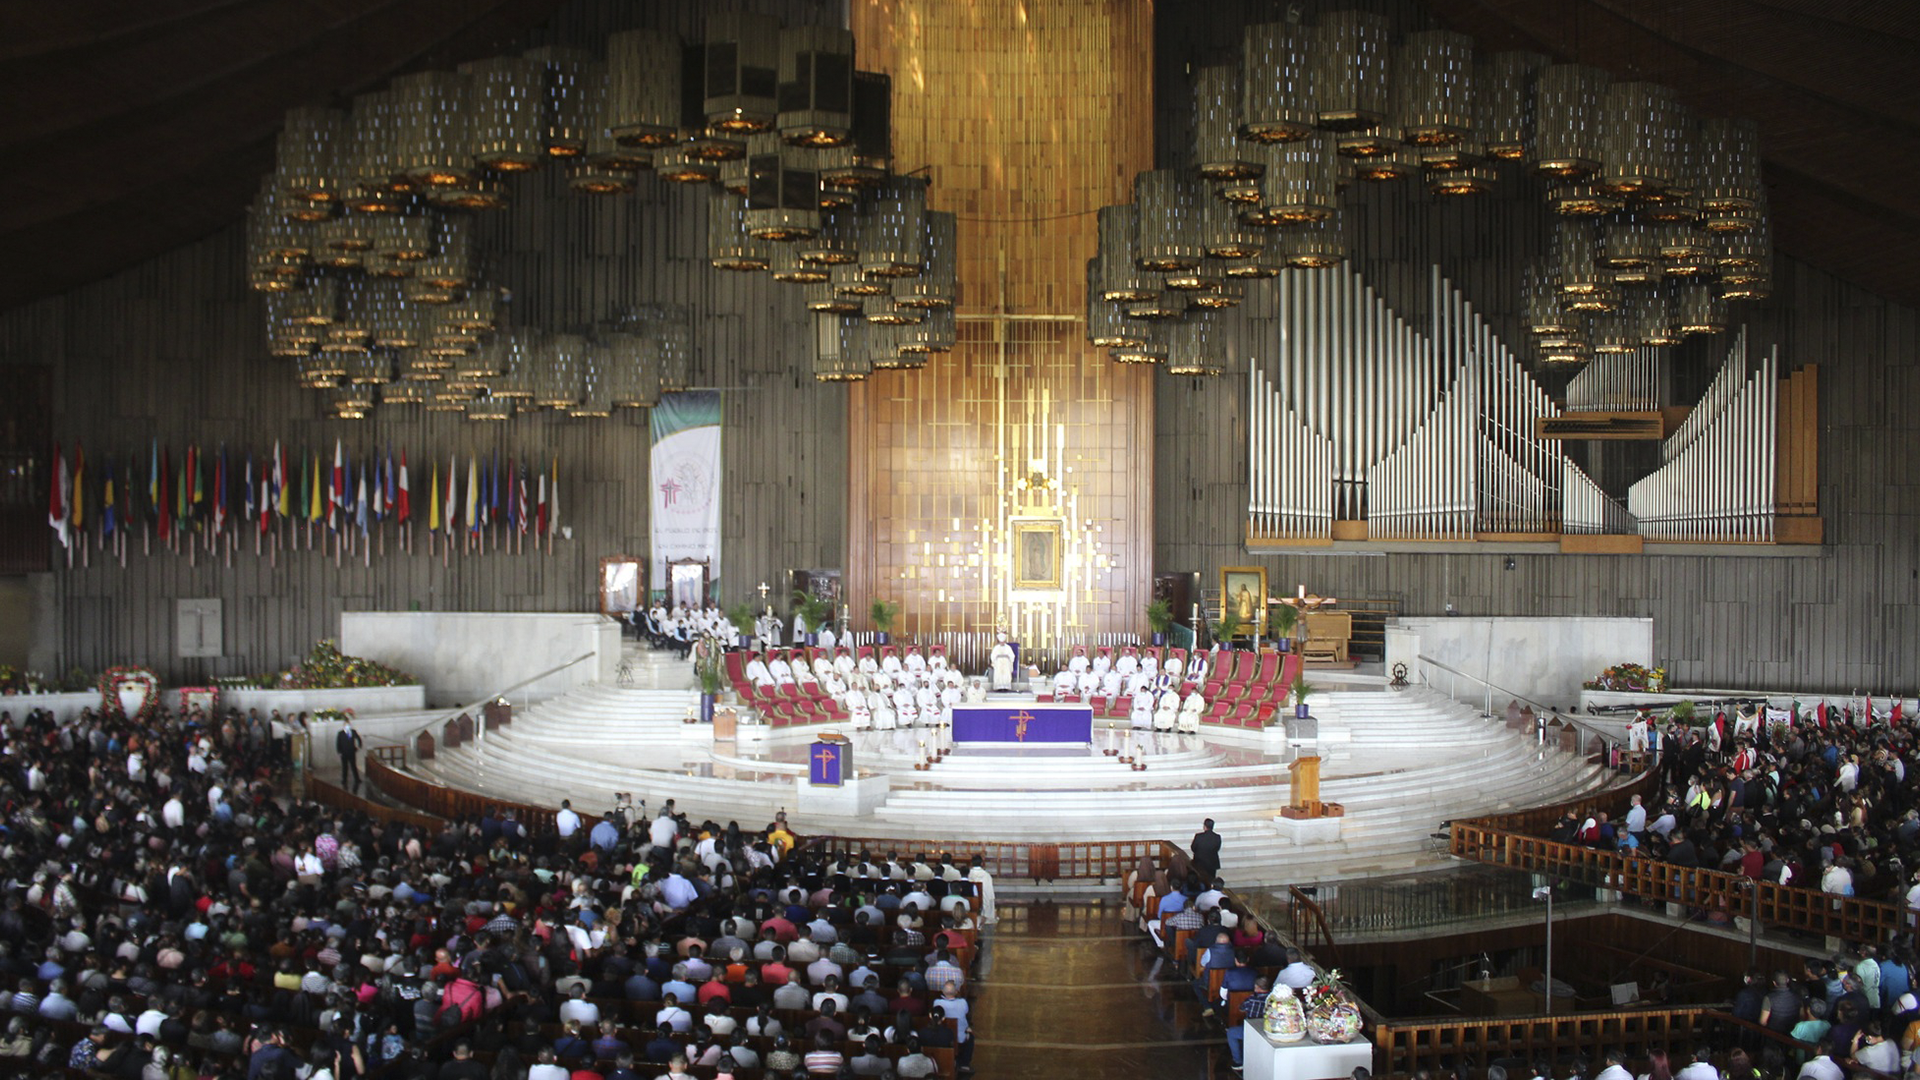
[(1285, 1021), (1332, 1015)]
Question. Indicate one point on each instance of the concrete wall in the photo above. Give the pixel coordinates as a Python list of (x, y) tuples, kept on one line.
[(463, 656)]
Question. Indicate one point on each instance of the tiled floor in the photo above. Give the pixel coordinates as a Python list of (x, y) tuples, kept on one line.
[(1066, 990)]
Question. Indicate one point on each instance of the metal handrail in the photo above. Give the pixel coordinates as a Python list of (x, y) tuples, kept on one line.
[(445, 715), (1539, 708)]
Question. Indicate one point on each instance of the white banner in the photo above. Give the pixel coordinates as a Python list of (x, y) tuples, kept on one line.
[(685, 478)]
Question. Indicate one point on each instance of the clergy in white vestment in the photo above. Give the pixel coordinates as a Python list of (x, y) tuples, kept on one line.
[(1079, 663), (983, 882), (822, 667), (904, 709), (1001, 661), (890, 663), (843, 662), (937, 662), (1102, 662), (826, 638), (835, 686), (976, 691), (915, 662), (858, 711), (1190, 711), (1150, 664), (757, 672), (1111, 682), (1166, 715), (881, 710), (928, 701), (1088, 683), (1127, 664), (868, 664), (782, 671), (803, 674), (1063, 681), (1142, 714), (950, 697), (1140, 684)]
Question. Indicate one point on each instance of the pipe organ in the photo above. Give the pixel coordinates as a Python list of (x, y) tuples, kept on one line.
[(1364, 426), (1717, 483), (1419, 433)]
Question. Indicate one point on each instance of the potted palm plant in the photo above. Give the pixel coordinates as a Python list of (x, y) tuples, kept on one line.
[(742, 617), (814, 612), (1300, 689), (1282, 621), (1159, 619), (883, 612), (1226, 628), (707, 673)]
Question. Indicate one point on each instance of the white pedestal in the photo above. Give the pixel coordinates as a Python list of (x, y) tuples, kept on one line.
[(857, 797), (1304, 1060), (1320, 830)]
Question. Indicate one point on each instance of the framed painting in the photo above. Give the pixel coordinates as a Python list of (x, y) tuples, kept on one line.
[(1038, 554), (619, 584), (1243, 590)]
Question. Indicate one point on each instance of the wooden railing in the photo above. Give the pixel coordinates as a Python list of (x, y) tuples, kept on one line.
[(1315, 920), (446, 802), (327, 794), (1538, 820), (1787, 907), (1063, 861)]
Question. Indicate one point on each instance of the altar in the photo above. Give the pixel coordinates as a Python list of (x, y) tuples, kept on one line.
[(1025, 724)]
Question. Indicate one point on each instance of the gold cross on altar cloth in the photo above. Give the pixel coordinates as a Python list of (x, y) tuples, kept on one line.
[(824, 757), (1020, 721)]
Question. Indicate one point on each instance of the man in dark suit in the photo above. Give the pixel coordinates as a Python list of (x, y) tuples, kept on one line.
[(348, 744), (1206, 851)]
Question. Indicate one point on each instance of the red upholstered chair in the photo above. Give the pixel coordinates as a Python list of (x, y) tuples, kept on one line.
[(1290, 670), (1242, 712), (1043, 695), (1177, 654), (1269, 667), (1218, 711), (937, 650), (1122, 705), (1099, 703), (735, 666), (863, 652), (1263, 714)]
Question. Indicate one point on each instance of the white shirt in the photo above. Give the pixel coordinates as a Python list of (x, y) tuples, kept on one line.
[(566, 822), (662, 831), (1699, 1070), (1821, 1068), (1637, 819), (174, 814)]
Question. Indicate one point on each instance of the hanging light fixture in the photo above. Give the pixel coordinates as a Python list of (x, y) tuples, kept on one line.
[(1217, 150), (1208, 274), (680, 165), (789, 268), (1655, 320), (370, 162), (826, 298), (850, 280), (1222, 292), (742, 71), (1168, 216), (633, 381), (1699, 310), (885, 312), (837, 242), (936, 333), (1729, 175), (1567, 102), (882, 347), (1314, 245), (1403, 161), (1583, 200), (432, 148), (395, 323), (729, 245), (1505, 103), (783, 196), (1638, 121), (596, 388), (606, 166), (1107, 325), (938, 283), (893, 229), (402, 392), (643, 88), (1540, 300), (1151, 349), (316, 304), (1195, 345), (312, 141), (566, 115), (736, 175), (839, 349), (507, 112), (1223, 235), (1301, 183), (450, 267), (557, 371), (816, 86), (1679, 201), (1583, 285), (1121, 278), (351, 325), (1433, 87), (1277, 102), (516, 360), (399, 242), (1353, 57), (1611, 332), (1627, 243), (1161, 306), (343, 242)]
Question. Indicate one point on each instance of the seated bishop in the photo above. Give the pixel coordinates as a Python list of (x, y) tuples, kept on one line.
[(938, 661), (1088, 683), (1111, 684)]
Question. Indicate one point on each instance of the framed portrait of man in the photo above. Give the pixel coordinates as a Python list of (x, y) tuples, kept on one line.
[(1243, 591), (1037, 554)]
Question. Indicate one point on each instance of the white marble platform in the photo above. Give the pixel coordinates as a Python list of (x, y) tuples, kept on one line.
[(463, 656)]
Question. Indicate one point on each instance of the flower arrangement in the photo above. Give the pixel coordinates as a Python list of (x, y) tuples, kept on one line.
[(327, 668), (1630, 677), (339, 715), (17, 681), (109, 686), (1332, 1014)]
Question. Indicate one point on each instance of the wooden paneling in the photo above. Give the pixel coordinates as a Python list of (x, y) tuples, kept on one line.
[(1028, 119)]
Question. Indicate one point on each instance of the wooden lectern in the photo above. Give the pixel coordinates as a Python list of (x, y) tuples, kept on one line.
[(1304, 801)]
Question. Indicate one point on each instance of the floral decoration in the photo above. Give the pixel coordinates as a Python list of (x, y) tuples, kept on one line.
[(110, 681), (327, 668)]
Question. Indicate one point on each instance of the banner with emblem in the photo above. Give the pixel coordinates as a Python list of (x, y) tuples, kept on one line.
[(685, 479)]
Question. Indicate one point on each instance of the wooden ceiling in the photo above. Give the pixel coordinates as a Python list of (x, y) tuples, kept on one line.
[(133, 128)]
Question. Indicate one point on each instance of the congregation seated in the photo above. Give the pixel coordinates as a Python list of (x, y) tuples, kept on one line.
[(170, 907)]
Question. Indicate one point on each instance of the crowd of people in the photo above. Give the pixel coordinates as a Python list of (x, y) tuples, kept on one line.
[(172, 913)]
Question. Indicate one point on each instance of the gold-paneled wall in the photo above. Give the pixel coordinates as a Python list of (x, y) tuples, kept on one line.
[(1028, 117)]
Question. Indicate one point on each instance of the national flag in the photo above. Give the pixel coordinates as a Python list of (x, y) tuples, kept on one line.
[(553, 510), (493, 488), (316, 510), (164, 504), (1869, 715), (247, 495), (300, 508), (199, 485), (153, 479), (403, 502), (512, 505), (77, 503), (540, 523), (220, 492), (453, 478), (109, 513), (360, 502), (379, 490), (337, 485), (473, 493), (523, 521), (281, 503), (433, 496), (57, 496)]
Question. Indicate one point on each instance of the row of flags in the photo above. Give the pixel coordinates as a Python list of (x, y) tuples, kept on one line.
[(215, 497)]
